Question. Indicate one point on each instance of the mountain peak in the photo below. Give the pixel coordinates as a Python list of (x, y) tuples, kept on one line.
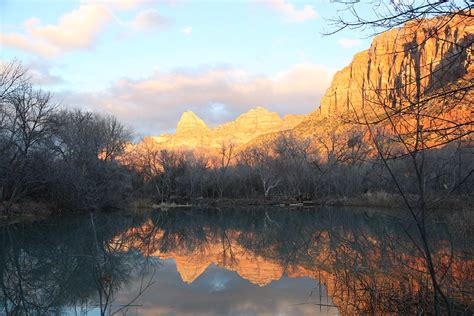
[(257, 113), (190, 122), (190, 115)]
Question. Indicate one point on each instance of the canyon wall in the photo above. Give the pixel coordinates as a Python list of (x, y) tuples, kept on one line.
[(422, 57)]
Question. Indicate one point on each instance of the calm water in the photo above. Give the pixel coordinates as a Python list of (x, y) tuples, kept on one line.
[(256, 261)]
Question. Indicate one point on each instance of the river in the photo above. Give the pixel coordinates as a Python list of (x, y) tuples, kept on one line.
[(234, 261)]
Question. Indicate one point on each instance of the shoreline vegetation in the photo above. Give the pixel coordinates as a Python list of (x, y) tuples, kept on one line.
[(376, 201), (368, 200)]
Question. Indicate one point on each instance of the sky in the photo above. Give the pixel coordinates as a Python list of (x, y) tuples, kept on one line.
[(148, 61)]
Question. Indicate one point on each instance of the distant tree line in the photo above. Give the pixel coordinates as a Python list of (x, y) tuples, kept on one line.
[(292, 169)]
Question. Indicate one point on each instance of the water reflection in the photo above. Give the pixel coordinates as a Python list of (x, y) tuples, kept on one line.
[(232, 261), (220, 292), (74, 263)]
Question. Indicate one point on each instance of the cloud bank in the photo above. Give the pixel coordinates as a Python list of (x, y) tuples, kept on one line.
[(154, 105), (77, 29)]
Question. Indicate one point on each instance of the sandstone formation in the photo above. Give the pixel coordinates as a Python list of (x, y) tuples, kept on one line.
[(414, 64), (403, 66), (420, 57), (192, 132)]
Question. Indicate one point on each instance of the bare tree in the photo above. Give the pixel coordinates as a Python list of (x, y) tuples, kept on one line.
[(221, 163), (116, 137), (424, 106), (25, 129), (295, 162), (260, 158), (380, 15), (12, 76)]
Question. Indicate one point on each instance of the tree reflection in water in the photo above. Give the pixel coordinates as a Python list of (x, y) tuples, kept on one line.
[(72, 263), (368, 261)]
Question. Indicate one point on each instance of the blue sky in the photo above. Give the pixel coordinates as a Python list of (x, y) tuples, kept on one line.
[(147, 61)]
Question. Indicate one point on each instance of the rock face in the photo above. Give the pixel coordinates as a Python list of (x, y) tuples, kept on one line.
[(419, 57), (190, 123), (192, 132), (255, 122), (422, 58)]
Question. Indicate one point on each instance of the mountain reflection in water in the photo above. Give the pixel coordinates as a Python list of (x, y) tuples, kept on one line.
[(256, 261)]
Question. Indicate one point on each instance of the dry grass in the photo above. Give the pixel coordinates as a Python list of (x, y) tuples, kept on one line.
[(369, 199), (165, 205), (143, 203)]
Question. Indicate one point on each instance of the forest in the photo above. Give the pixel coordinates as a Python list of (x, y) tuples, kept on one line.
[(73, 160)]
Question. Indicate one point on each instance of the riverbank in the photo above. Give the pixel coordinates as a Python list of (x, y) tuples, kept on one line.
[(34, 210), (369, 200), (26, 211)]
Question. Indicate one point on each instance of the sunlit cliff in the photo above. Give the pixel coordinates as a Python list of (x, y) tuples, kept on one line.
[(426, 60), (192, 132), (416, 63)]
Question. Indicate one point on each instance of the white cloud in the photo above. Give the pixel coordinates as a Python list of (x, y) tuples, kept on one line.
[(290, 12), (77, 29), (188, 30), (149, 20), (348, 42), (154, 105)]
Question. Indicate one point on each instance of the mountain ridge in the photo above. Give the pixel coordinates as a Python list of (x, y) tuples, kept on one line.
[(384, 72), (192, 132)]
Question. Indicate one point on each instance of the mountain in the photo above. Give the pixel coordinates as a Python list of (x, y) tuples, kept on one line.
[(431, 57), (421, 59), (192, 132), (428, 55)]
